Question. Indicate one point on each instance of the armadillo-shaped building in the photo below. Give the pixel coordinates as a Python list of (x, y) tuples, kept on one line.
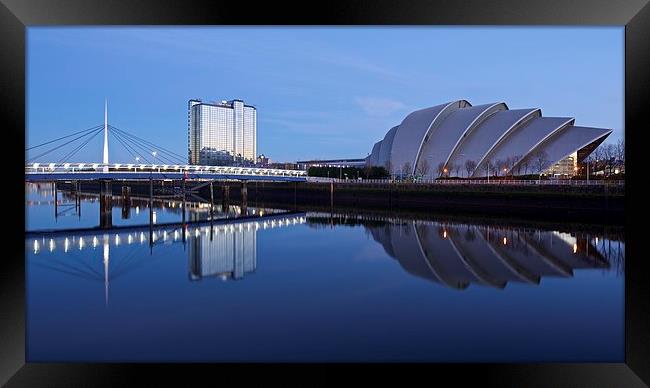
[(456, 132)]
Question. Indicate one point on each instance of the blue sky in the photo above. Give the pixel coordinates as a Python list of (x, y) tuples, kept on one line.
[(320, 92)]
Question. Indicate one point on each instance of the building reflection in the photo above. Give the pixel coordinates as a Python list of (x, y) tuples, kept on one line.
[(458, 255), (226, 254), (225, 250)]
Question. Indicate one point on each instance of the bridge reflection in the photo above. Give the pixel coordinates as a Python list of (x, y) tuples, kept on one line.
[(453, 254), (226, 250)]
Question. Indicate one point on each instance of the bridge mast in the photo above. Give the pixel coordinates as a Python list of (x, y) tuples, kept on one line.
[(105, 159)]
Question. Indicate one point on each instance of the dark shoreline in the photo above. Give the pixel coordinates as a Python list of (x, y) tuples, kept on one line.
[(529, 203)]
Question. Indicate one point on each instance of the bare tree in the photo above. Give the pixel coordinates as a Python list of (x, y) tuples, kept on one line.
[(525, 164), (620, 151), (450, 168), (406, 169), (488, 167), (441, 169), (540, 161), (515, 163), (457, 167), (423, 167), (498, 166), (470, 166), (389, 168), (609, 153)]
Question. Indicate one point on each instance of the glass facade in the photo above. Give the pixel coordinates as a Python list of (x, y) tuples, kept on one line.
[(565, 168), (226, 128)]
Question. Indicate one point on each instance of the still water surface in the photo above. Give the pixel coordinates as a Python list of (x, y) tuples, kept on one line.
[(314, 286)]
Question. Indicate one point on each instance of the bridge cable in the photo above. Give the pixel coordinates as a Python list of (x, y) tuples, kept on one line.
[(63, 137), (74, 151), (130, 146), (144, 148), (64, 144), (146, 142), (130, 150)]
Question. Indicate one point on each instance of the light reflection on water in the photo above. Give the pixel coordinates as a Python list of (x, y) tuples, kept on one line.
[(325, 287)]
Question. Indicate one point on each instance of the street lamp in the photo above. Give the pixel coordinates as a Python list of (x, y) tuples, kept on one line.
[(154, 153)]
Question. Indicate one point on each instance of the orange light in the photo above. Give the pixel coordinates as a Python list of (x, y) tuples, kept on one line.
[(505, 241), (575, 248)]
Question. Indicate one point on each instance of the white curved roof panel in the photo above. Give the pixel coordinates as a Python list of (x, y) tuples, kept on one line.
[(564, 143), (416, 128), (488, 133), (447, 135), (520, 142)]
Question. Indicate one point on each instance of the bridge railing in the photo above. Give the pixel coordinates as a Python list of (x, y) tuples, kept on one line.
[(496, 182), (158, 168)]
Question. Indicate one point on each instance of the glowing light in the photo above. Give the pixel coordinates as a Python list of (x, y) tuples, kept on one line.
[(444, 234), (36, 247), (141, 237), (154, 217), (117, 240), (137, 210), (505, 240), (575, 248), (66, 243), (175, 235), (81, 243), (130, 239), (94, 241)]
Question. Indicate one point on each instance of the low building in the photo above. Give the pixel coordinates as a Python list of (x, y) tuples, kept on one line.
[(214, 157), (565, 168), (305, 164), (263, 160)]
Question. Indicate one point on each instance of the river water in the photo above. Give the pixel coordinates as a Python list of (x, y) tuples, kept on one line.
[(262, 284)]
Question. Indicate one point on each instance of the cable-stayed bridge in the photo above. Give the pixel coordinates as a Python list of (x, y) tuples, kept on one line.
[(149, 161)]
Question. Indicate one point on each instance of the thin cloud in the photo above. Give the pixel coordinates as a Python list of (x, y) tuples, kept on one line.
[(377, 106)]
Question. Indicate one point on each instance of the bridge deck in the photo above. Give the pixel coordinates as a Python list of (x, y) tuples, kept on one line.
[(123, 175)]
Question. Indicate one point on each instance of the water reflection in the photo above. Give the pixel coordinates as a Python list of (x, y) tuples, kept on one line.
[(227, 250), (458, 255), (49, 207)]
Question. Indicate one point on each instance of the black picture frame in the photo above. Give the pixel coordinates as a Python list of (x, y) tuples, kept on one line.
[(16, 15)]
